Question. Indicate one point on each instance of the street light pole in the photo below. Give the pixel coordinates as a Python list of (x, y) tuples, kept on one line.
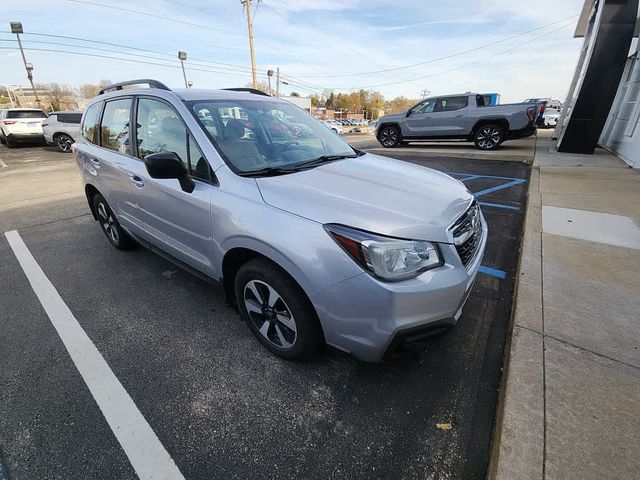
[(278, 82), (16, 27), (183, 56)]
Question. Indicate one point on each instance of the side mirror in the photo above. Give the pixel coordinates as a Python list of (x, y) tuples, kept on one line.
[(408, 113), (166, 165)]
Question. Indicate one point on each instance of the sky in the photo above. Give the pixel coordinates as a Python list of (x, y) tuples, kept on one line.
[(518, 48)]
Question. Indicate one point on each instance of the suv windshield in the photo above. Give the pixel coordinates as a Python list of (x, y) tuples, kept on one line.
[(26, 114), (267, 136)]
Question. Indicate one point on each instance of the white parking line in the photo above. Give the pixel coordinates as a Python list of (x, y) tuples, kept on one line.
[(2, 164), (146, 454)]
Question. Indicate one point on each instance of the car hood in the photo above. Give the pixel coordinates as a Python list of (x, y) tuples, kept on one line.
[(394, 117), (373, 193)]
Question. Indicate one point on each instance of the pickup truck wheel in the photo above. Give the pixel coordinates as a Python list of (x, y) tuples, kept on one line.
[(390, 137), (489, 137)]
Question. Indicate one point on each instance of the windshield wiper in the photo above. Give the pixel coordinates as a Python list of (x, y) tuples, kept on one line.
[(267, 172), (322, 159), (271, 171)]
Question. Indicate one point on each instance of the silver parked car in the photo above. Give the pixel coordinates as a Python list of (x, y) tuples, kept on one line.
[(62, 129), (314, 241)]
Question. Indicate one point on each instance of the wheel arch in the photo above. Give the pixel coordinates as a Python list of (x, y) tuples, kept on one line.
[(237, 256), (388, 124), (90, 191), (501, 121)]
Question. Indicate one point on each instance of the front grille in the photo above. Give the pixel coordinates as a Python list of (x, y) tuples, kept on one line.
[(467, 233)]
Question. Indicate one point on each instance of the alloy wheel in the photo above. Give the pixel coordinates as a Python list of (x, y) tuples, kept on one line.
[(389, 137), (108, 223), (63, 142), (488, 137), (270, 314)]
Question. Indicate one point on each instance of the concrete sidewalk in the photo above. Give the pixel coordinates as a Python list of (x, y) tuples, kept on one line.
[(570, 404)]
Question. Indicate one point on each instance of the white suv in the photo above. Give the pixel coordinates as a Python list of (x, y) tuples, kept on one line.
[(62, 129), (21, 125)]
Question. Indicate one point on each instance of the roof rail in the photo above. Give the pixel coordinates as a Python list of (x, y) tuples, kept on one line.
[(250, 90), (148, 81)]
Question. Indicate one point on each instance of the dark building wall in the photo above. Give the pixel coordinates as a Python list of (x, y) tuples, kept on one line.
[(602, 76)]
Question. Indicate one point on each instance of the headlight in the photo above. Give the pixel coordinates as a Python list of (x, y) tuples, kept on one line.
[(387, 258)]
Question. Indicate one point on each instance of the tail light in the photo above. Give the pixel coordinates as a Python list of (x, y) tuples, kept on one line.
[(531, 113), (9, 122), (543, 107)]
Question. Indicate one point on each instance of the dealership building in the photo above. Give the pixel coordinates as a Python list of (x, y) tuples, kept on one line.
[(603, 103)]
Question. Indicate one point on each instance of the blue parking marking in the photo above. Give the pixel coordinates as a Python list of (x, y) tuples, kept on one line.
[(512, 183), (499, 205), (494, 272)]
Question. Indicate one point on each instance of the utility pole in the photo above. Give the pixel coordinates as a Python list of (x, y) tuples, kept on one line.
[(16, 27), (183, 56), (278, 82), (247, 3), (425, 93)]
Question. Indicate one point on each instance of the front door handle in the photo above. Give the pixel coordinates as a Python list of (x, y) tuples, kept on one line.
[(94, 161), (460, 115), (137, 181)]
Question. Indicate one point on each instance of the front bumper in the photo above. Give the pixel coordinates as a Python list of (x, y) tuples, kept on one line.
[(365, 317)]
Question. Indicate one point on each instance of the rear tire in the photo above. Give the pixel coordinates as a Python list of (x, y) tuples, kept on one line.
[(63, 142), (109, 224), (3, 140), (277, 310), (488, 137), (390, 136), (10, 143)]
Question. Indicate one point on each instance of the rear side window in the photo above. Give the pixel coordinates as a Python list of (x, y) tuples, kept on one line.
[(69, 117), (114, 129), (53, 118), (91, 124), (26, 114), (448, 104)]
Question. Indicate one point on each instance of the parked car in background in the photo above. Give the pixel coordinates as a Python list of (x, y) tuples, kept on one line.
[(336, 127), (315, 242), (62, 129), (19, 125), (458, 117), (550, 118)]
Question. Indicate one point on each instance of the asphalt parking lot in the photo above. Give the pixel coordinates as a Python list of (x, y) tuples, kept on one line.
[(219, 403)]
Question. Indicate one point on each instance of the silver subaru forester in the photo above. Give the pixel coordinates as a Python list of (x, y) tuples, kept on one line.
[(315, 241)]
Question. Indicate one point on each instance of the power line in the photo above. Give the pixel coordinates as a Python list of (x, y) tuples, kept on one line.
[(446, 57), (146, 14), (360, 54), (144, 62), (193, 61), (474, 62)]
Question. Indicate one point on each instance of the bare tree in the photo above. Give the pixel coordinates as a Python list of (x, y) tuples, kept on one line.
[(90, 90), (59, 96)]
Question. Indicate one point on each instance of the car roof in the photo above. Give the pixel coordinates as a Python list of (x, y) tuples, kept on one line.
[(189, 94), (23, 109), (65, 111)]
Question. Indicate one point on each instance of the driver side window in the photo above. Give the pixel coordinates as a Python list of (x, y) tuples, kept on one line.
[(425, 107), (160, 130)]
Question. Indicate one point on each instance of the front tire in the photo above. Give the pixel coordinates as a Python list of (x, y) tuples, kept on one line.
[(390, 137), (64, 142), (488, 137), (109, 224), (277, 310)]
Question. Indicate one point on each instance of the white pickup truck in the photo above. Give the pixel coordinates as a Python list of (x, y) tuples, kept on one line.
[(458, 117)]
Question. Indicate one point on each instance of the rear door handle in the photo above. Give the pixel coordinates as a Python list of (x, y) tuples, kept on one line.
[(137, 181)]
